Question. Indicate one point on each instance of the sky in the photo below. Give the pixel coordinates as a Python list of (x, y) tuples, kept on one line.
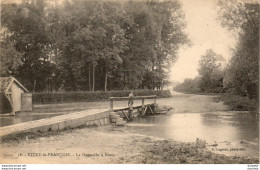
[(205, 31)]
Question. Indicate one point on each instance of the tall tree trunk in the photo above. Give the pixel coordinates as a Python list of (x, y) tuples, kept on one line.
[(128, 81), (89, 77), (153, 77), (106, 80), (34, 85), (93, 83), (124, 75), (124, 82)]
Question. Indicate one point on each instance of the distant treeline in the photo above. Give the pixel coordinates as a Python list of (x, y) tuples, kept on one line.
[(85, 45)]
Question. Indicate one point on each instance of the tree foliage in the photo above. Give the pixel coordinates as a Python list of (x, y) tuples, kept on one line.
[(242, 75), (94, 45), (9, 57), (27, 25), (189, 86), (210, 74)]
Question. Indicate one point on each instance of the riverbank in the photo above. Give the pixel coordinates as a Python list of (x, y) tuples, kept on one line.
[(234, 102), (239, 103), (109, 145), (172, 152)]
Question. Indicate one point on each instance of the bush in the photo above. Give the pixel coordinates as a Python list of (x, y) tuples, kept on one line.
[(189, 86), (61, 97), (239, 103)]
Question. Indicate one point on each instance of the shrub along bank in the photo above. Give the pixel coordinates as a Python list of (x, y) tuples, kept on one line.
[(239, 103), (234, 101), (60, 97)]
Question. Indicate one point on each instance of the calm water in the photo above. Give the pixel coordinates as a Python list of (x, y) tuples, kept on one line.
[(224, 130), (6, 120)]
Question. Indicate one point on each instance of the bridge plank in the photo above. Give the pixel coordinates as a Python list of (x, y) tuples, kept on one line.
[(133, 98), (22, 127), (127, 108)]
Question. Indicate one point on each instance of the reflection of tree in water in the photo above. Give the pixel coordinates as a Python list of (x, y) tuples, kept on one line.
[(157, 119), (243, 125)]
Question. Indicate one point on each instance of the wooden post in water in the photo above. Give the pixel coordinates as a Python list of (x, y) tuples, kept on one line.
[(143, 106), (155, 105)]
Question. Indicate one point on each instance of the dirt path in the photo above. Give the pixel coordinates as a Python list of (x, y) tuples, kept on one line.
[(107, 144)]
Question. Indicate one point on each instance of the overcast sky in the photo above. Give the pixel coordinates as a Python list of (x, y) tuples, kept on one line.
[(205, 32)]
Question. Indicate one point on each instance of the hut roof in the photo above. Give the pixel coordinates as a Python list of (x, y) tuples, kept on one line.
[(6, 82)]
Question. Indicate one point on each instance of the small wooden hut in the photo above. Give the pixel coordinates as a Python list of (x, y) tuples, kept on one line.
[(13, 96)]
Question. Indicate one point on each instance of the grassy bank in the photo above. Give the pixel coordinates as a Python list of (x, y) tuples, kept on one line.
[(239, 103), (234, 102), (171, 152)]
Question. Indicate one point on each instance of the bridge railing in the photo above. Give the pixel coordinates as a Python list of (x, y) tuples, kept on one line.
[(130, 99)]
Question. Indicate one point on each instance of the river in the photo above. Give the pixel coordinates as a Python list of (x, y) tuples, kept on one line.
[(196, 116)]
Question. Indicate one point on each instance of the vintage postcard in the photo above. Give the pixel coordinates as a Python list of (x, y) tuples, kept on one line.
[(129, 82)]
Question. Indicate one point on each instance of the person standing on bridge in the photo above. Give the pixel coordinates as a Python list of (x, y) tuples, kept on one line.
[(131, 101)]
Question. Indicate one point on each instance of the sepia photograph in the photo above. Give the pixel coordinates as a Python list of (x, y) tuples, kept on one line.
[(129, 82)]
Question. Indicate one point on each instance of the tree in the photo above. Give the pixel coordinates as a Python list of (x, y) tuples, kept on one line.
[(93, 39), (242, 73), (113, 42), (154, 37), (170, 24), (27, 25), (9, 57), (210, 75), (189, 86)]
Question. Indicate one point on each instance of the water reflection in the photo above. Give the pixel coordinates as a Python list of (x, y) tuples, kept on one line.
[(214, 127), (6, 120)]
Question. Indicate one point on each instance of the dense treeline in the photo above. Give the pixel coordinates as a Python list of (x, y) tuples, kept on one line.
[(90, 45), (190, 86)]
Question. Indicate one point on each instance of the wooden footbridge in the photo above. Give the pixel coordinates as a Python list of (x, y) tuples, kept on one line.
[(143, 109)]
